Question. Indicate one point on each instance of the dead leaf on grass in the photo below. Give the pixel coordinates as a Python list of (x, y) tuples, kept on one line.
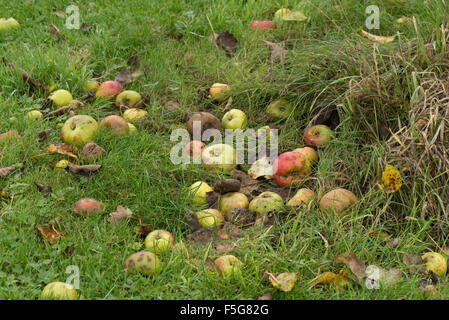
[(4, 172), (120, 214), (227, 42), (55, 31), (84, 170), (284, 281), (63, 149), (212, 199), (49, 233), (42, 188), (25, 75), (338, 280), (44, 134), (277, 52), (375, 38), (224, 247), (414, 261), (357, 266)]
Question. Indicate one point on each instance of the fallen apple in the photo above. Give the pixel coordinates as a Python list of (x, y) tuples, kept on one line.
[(318, 135), (263, 25), (231, 201), (302, 198), (159, 241), (8, 24), (35, 114), (194, 149), (219, 92), (279, 109), (337, 201), (109, 89), (92, 85), (279, 14), (209, 218), (234, 119), (435, 263), (127, 98), (61, 97), (220, 157), (310, 155), (289, 169), (266, 202), (229, 265), (59, 291), (132, 128), (134, 116), (205, 120), (198, 191), (116, 124), (88, 206), (144, 262), (9, 135), (78, 130)]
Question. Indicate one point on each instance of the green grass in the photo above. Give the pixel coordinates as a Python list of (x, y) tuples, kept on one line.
[(324, 54)]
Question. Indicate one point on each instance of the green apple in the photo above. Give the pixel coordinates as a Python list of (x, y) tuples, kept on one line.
[(228, 265), (318, 135), (278, 15), (132, 128), (78, 130), (127, 98), (221, 157), (134, 115), (92, 85), (220, 92), (8, 24), (302, 198), (279, 109), (144, 262), (265, 202), (159, 241), (61, 98), (231, 201), (59, 291), (235, 119), (199, 190), (35, 114), (209, 218)]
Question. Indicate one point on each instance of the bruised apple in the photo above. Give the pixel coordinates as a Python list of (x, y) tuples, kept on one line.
[(265, 202), (127, 98), (318, 135), (109, 89), (310, 155), (116, 124), (289, 169), (88, 206), (200, 122), (337, 201), (435, 262), (143, 262), (134, 115), (92, 85), (302, 198)]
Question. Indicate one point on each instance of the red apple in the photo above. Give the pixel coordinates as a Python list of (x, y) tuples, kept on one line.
[(194, 148), (263, 25), (318, 135), (117, 124), (310, 155), (289, 168), (109, 89)]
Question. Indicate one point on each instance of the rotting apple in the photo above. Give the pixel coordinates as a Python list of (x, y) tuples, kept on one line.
[(337, 201), (302, 198), (116, 124), (435, 263), (59, 291), (279, 109), (219, 92), (34, 115), (88, 206), (209, 218), (220, 157), (61, 97), (263, 25), (109, 89), (92, 85), (127, 98), (229, 265), (144, 262), (266, 202), (78, 130), (289, 169), (198, 190), (231, 201), (318, 135), (134, 115), (159, 241), (234, 119), (194, 149), (206, 121)]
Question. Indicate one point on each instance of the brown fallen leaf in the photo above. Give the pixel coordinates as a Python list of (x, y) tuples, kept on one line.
[(44, 189), (63, 149), (277, 52), (120, 214), (85, 27), (55, 31), (227, 42), (338, 280), (49, 233), (4, 172), (84, 170), (69, 250), (127, 76), (284, 281), (224, 247), (428, 290), (393, 243), (172, 105), (25, 75), (92, 151), (227, 185), (145, 101), (143, 230), (375, 38), (354, 263)]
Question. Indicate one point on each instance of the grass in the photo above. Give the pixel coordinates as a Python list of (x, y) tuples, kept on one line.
[(324, 55)]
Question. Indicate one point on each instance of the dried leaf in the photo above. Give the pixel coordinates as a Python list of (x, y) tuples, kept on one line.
[(69, 250), (124, 77), (354, 263), (63, 149), (60, 14), (375, 38), (143, 230), (224, 247), (227, 185), (338, 280), (92, 151), (192, 220), (25, 75), (404, 20), (121, 213), (277, 51), (4, 172), (261, 168), (55, 31), (85, 27), (85, 170), (284, 281), (44, 189), (393, 243), (49, 233), (227, 42), (391, 179)]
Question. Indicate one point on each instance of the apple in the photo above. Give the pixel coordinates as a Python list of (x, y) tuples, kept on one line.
[(281, 13), (109, 89), (234, 119), (435, 262), (309, 154), (144, 262), (159, 241), (59, 291), (199, 190), (279, 109), (134, 115), (194, 149), (12, 120), (265, 202), (220, 157), (78, 130), (132, 128), (35, 114), (127, 98), (9, 135), (116, 124), (228, 265), (318, 135), (263, 25), (209, 218), (220, 92), (205, 120), (92, 85), (8, 24), (231, 201), (337, 201), (61, 98), (302, 198), (88, 206), (289, 169)]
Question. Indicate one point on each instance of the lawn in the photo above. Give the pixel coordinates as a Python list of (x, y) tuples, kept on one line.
[(369, 90)]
